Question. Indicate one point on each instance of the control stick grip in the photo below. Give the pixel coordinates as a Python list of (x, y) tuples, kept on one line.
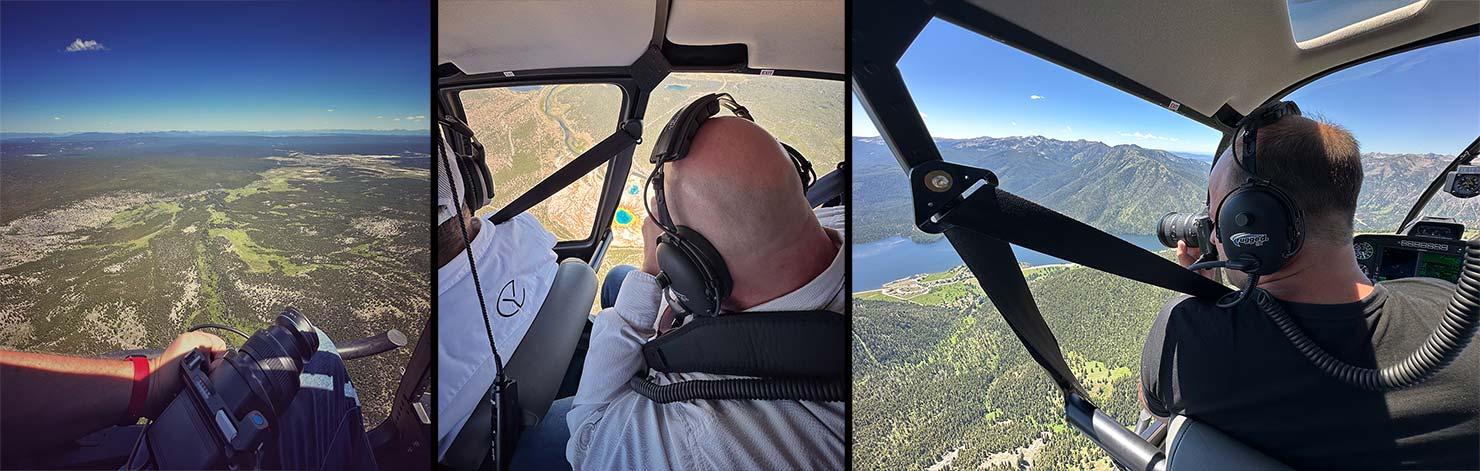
[(373, 345)]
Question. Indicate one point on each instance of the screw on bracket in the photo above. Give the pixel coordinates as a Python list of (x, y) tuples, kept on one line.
[(937, 186)]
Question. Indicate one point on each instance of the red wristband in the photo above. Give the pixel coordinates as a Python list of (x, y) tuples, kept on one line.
[(141, 387)]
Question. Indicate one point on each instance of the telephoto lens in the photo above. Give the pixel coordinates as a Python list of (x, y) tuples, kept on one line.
[(1192, 228), (225, 415)]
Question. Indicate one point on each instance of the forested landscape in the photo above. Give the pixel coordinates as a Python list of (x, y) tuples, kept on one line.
[(941, 382)]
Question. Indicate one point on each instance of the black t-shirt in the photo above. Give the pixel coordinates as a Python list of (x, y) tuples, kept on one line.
[(1234, 370)]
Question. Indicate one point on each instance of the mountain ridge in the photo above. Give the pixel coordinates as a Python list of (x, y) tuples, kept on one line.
[(1121, 189)]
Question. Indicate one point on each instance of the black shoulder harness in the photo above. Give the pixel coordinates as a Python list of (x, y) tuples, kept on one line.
[(791, 355)]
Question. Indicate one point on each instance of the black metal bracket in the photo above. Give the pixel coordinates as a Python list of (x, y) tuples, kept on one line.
[(936, 186)]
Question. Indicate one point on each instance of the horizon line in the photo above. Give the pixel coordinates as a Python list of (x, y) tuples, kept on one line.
[(212, 131)]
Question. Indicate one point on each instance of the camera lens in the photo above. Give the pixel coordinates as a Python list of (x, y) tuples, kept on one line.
[(274, 357), (1178, 226)]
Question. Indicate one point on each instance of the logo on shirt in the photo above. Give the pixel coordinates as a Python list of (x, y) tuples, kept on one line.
[(1246, 239), (510, 299)]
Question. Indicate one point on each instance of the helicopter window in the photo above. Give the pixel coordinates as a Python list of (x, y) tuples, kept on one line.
[(921, 321), (1310, 19), (799, 111), (1415, 111), (528, 132)]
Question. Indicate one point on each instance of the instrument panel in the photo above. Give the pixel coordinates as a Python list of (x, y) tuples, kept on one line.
[(1389, 257)]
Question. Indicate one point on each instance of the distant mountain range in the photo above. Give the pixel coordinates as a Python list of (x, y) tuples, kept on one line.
[(1120, 189)]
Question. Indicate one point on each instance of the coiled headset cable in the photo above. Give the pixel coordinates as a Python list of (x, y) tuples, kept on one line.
[(1461, 319)]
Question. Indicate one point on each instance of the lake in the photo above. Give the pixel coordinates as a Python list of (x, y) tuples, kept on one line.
[(882, 261)]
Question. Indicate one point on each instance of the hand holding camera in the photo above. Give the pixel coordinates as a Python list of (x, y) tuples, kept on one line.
[(164, 379)]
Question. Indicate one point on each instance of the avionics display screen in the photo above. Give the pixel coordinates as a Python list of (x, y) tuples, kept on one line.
[(1403, 263)]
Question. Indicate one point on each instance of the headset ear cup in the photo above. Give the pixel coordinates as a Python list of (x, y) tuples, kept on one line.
[(686, 280), (1255, 223), (696, 274), (485, 181), (713, 263)]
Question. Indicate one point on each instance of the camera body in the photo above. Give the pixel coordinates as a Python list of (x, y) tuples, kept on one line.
[(225, 414), (1196, 229)]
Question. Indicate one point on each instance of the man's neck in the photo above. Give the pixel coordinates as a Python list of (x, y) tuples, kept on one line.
[(783, 272), (1320, 274), (450, 248)]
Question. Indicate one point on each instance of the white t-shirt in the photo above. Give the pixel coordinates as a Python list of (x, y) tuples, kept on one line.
[(516, 265)]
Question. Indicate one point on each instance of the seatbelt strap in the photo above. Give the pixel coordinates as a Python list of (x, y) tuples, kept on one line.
[(1003, 216), (981, 226), (624, 140), (997, 270)]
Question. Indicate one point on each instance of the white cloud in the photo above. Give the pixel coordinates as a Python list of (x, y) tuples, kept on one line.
[(379, 117), (79, 45), (1035, 97), (331, 110), (56, 118), (1145, 136), (415, 118), (1014, 123), (395, 119)]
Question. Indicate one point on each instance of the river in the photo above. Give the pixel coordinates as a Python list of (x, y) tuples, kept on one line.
[(563, 128), (882, 261)]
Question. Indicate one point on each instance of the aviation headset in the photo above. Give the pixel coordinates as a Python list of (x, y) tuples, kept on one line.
[(1260, 226), (477, 180), (693, 274)]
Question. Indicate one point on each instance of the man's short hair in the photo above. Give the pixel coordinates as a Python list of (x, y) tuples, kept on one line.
[(1319, 164)]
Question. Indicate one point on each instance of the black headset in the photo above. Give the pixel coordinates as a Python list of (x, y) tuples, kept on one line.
[(1260, 226), (693, 274), (476, 178)]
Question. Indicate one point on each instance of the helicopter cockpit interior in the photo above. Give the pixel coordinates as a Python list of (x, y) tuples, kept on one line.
[(1212, 63), (560, 104)]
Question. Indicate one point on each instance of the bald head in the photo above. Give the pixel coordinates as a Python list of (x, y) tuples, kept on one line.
[(740, 190)]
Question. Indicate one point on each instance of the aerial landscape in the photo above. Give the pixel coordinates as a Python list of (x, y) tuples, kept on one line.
[(116, 241), (529, 132), (978, 400), (166, 172)]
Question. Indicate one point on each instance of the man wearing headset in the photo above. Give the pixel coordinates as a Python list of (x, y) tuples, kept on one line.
[(1232, 368), (737, 187), (515, 257)]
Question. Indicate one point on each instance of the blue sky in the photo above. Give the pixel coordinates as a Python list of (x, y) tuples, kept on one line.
[(129, 67), (967, 85)]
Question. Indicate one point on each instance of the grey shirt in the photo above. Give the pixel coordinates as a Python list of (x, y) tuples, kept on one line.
[(614, 428)]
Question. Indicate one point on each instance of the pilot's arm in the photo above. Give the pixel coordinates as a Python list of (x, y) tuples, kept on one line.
[(47, 400)]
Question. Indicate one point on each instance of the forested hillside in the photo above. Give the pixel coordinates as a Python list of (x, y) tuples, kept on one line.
[(1121, 189), (941, 375)]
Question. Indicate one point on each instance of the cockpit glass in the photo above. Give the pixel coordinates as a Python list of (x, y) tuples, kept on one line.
[(1412, 113), (529, 132), (976, 399), (1310, 19)]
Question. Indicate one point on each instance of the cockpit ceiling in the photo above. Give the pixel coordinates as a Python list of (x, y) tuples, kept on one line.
[(787, 34), (1205, 53), (516, 35)]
